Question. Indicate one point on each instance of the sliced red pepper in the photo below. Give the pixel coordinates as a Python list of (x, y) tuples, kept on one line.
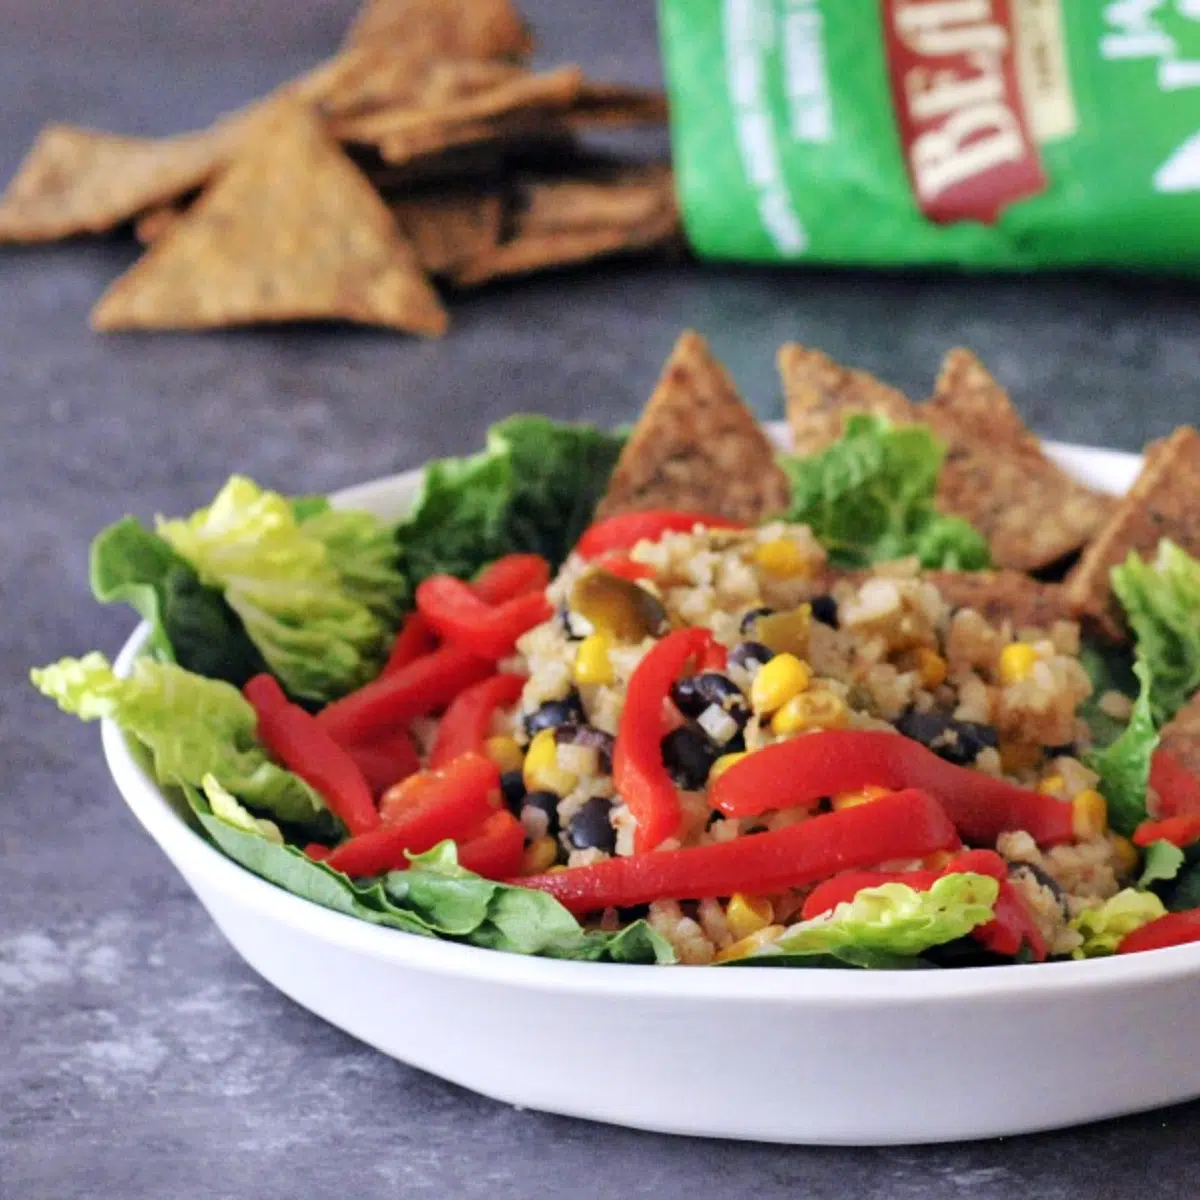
[(468, 721), (639, 775), (1180, 831), (624, 567), (842, 888), (449, 803), (511, 576), (906, 824), (263, 692), (317, 852), (415, 640), (491, 631), (385, 761), (1178, 789), (714, 658), (496, 848), (423, 687), (803, 770), (1174, 929), (625, 530), (299, 741)]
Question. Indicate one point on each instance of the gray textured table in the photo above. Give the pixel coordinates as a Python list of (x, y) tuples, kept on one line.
[(140, 1057)]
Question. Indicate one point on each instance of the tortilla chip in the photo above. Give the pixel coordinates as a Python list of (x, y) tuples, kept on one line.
[(622, 199), (1181, 735), (820, 395), (697, 447), (614, 105), (967, 393), (151, 226), (1001, 596), (290, 231), (1161, 504), (450, 229), (444, 28)]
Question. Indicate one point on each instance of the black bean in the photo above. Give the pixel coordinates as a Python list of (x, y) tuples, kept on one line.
[(747, 623), (694, 693), (544, 802), (552, 714), (512, 786), (589, 828), (688, 756), (825, 610), (588, 735), (959, 742), (570, 625), (750, 654)]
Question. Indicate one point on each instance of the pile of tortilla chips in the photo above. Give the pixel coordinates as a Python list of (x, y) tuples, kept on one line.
[(424, 151)]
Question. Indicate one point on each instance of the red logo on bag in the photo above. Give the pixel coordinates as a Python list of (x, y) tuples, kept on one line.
[(966, 139)]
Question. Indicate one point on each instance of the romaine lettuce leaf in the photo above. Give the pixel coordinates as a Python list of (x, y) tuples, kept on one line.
[(193, 727), (1103, 927), (1111, 670), (1124, 766), (225, 807), (1163, 861), (869, 498), (363, 551)]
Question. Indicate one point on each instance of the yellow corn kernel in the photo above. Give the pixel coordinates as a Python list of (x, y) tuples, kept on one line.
[(1019, 756), (1125, 854), (748, 914), (542, 772), (505, 753), (724, 763), (859, 796), (939, 860), (1052, 785), (747, 945), (781, 557), (539, 855), (1016, 662), (811, 710), (931, 667), (592, 664), (1089, 814), (778, 681)]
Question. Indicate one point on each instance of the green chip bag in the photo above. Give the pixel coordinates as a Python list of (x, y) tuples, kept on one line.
[(972, 133)]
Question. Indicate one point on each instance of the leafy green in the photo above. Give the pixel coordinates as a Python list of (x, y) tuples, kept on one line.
[(883, 926), (1162, 864), (869, 498), (225, 805), (362, 550), (1103, 928), (300, 600), (189, 623), (193, 727), (1161, 599), (1110, 670), (1124, 766), (1186, 893)]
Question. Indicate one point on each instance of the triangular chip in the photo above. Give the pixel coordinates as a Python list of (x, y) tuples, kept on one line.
[(444, 28), (1161, 504), (697, 447), (967, 393), (451, 228), (1004, 596), (290, 231)]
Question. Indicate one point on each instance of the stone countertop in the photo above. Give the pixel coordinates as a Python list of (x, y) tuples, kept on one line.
[(141, 1057)]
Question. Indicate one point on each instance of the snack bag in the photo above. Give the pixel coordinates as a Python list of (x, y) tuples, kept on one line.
[(972, 133)]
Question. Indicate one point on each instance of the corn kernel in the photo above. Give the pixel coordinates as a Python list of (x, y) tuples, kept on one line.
[(1052, 785), (859, 796), (747, 945), (724, 763), (748, 914), (1016, 662), (541, 771), (1089, 814), (778, 681), (539, 855), (592, 664), (931, 667), (781, 557), (1125, 854), (811, 710), (1019, 756), (505, 753), (939, 860)]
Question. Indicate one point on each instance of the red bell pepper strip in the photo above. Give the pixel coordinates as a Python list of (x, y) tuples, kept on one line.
[(299, 741), (449, 803), (1174, 929), (263, 691), (386, 761), (1180, 831), (625, 530), (496, 848), (490, 631), (639, 775), (511, 576), (842, 888), (624, 567), (803, 770), (317, 852), (904, 825), (423, 687), (415, 640), (468, 721), (1178, 789)]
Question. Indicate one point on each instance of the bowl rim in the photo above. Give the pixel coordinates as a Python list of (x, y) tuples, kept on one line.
[(198, 860)]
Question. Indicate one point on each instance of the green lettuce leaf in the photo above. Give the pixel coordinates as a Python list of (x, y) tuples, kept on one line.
[(1162, 863), (363, 551), (869, 498), (884, 925), (193, 727), (1186, 892), (313, 628), (1124, 766), (1110, 670), (1161, 599), (189, 623), (225, 806), (1103, 927)]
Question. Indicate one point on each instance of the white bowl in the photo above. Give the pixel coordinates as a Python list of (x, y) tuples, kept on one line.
[(834, 1057)]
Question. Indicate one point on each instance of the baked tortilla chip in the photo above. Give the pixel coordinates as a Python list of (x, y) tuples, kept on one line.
[(1001, 596), (290, 231), (966, 392), (1163, 503), (444, 28), (150, 226), (1181, 735), (697, 447), (450, 229)]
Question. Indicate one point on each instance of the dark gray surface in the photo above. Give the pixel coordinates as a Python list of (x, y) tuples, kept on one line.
[(138, 1056)]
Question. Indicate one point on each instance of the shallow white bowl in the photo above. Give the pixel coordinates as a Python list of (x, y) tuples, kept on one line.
[(835, 1057)]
